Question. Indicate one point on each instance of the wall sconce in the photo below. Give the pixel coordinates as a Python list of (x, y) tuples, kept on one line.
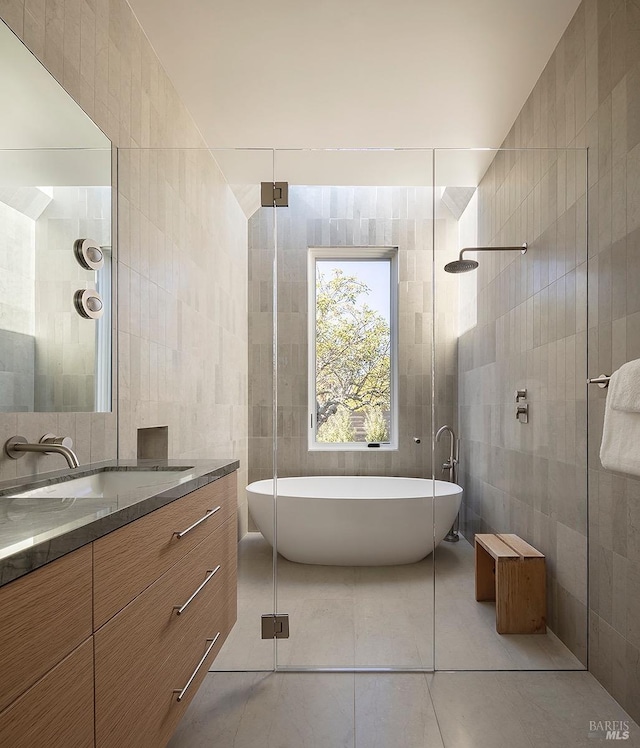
[(88, 303), (88, 254)]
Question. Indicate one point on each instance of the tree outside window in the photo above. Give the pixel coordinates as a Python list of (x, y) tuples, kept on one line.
[(353, 351)]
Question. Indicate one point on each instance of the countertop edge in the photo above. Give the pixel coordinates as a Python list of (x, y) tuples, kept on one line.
[(29, 559)]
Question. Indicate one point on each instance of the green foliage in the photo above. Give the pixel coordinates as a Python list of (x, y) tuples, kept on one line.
[(375, 426), (337, 428), (353, 343)]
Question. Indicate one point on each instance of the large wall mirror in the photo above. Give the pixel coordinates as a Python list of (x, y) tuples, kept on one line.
[(55, 244)]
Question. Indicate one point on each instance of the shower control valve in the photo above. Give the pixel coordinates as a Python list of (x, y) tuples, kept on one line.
[(521, 395), (522, 413)]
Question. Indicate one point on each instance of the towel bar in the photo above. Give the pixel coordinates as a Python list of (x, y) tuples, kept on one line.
[(602, 381)]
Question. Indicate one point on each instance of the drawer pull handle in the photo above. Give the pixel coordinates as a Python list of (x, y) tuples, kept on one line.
[(179, 609), (210, 513), (182, 692)]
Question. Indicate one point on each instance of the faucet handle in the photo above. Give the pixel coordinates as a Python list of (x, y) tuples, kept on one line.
[(65, 441)]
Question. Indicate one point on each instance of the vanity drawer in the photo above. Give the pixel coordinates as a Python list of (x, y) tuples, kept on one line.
[(145, 651), (128, 560), (57, 712), (157, 709), (43, 616), (180, 672)]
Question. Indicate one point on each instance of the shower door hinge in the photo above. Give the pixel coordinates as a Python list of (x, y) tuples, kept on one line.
[(275, 626), (274, 194)]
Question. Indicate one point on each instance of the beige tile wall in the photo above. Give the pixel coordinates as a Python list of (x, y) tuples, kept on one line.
[(182, 306), (588, 95), (182, 256), (531, 479), (344, 216)]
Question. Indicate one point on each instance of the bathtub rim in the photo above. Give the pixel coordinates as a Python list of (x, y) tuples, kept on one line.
[(266, 489)]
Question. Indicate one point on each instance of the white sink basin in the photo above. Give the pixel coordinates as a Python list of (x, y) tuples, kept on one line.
[(105, 484)]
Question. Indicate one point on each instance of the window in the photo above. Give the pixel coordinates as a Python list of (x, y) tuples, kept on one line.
[(352, 348)]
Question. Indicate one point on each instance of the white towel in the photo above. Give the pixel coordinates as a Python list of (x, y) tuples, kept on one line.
[(624, 388), (620, 447)]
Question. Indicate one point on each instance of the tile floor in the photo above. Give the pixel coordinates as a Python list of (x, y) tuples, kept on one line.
[(342, 616), (357, 710)]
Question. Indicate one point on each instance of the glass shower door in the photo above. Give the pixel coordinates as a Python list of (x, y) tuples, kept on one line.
[(510, 379), (245, 171), (353, 338)]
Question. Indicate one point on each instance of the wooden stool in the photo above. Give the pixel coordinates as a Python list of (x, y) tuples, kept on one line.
[(512, 572)]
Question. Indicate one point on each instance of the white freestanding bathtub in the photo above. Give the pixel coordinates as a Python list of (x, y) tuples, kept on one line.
[(355, 520)]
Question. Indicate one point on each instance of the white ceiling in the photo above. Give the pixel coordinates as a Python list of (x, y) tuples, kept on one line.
[(355, 73)]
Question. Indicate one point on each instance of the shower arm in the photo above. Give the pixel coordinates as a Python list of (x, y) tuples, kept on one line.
[(522, 249)]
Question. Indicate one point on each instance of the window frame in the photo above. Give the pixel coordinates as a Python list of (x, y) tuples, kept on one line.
[(352, 254)]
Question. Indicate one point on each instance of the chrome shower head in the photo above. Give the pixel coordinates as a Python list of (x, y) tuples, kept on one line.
[(464, 266), (460, 266)]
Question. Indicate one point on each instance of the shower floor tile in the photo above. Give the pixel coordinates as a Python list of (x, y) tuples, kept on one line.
[(377, 617)]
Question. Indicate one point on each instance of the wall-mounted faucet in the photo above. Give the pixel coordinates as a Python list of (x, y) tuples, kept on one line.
[(18, 446)]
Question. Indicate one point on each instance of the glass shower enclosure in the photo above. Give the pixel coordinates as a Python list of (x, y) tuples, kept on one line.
[(382, 427)]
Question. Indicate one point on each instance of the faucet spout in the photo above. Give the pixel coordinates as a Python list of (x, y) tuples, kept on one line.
[(452, 462), (452, 441), (18, 446)]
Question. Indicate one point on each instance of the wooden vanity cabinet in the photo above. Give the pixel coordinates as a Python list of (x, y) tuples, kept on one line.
[(57, 712), (98, 646), (128, 560), (44, 616), (148, 650), (46, 656)]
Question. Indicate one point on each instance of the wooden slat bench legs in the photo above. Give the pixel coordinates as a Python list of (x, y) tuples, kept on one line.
[(511, 572), (485, 575), (520, 596)]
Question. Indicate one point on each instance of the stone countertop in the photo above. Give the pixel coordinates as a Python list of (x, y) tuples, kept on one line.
[(34, 531)]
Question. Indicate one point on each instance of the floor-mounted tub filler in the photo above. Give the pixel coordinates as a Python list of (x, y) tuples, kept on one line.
[(355, 520)]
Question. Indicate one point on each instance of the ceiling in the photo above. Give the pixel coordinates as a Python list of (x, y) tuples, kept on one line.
[(354, 73)]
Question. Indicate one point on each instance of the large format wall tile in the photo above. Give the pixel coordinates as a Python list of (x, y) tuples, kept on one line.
[(338, 217), (587, 96)]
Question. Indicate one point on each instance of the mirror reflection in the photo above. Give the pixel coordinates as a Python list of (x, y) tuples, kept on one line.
[(55, 222)]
